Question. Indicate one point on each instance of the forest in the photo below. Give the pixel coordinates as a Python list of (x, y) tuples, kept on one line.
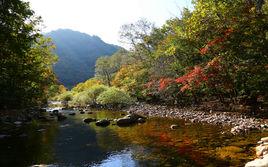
[(215, 52)]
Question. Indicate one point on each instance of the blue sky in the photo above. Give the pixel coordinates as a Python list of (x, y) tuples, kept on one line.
[(104, 17)]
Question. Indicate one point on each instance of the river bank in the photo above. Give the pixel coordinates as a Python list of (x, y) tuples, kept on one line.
[(238, 122)]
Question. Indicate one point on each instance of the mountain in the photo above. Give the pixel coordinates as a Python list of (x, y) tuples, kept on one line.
[(77, 55)]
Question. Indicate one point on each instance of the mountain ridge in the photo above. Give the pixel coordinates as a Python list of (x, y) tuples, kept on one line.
[(77, 53)]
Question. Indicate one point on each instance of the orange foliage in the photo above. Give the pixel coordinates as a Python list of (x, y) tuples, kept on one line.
[(164, 82), (216, 41)]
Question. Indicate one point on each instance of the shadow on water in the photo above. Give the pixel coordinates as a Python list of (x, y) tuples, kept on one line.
[(74, 143)]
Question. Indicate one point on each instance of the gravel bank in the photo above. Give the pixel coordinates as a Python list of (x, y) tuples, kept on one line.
[(238, 122)]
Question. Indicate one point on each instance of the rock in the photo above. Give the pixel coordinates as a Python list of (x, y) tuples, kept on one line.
[(174, 126), (55, 112), (17, 123), (82, 112), (261, 149), (103, 123), (130, 119), (141, 120), (124, 121), (90, 112), (72, 114), (41, 130), (65, 125), (264, 139), (61, 117), (258, 163), (88, 120)]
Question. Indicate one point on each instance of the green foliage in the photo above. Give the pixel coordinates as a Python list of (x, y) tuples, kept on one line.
[(95, 91), (66, 96), (86, 85), (114, 96), (219, 49), (26, 57), (107, 66)]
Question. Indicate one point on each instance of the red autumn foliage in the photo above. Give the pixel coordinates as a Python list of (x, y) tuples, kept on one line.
[(196, 77), (216, 41), (164, 82)]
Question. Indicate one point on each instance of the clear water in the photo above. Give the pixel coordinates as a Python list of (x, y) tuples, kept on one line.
[(72, 143)]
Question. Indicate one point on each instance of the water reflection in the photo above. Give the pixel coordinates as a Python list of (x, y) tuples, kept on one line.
[(74, 143)]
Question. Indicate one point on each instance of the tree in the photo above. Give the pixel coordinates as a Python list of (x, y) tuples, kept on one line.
[(25, 57)]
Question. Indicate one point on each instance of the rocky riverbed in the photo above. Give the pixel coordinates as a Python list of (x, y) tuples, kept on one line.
[(239, 123)]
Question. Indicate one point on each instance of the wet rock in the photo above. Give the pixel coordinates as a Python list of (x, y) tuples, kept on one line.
[(141, 120), (72, 114), (61, 117), (174, 126), (103, 123), (82, 112), (55, 112), (65, 125), (88, 120), (18, 123), (130, 119), (41, 130), (124, 121), (90, 112)]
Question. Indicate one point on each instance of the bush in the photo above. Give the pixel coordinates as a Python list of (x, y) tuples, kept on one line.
[(89, 96), (66, 96), (95, 91), (114, 97)]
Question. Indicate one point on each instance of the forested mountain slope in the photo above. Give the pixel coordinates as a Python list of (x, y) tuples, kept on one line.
[(77, 55)]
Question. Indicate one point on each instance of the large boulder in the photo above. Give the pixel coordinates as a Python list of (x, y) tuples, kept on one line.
[(103, 123), (130, 119)]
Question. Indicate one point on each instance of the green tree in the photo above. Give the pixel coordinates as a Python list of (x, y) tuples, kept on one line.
[(25, 57)]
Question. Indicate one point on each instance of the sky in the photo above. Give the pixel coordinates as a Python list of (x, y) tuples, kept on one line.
[(104, 17)]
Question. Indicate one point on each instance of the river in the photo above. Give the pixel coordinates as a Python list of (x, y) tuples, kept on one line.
[(72, 143)]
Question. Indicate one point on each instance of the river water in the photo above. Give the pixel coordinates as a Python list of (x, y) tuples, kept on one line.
[(72, 143)]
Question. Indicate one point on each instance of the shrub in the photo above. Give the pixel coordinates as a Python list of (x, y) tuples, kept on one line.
[(66, 96), (89, 96), (95, 91), (114, 97)]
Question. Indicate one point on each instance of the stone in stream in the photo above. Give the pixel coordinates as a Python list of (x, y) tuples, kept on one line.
[(174, 126), (130, 119), (61, 117), (82, 112), (261, 153), (103, 123), (72, 114), (264, 139), (88, 120), (55, 112), (90, 112)]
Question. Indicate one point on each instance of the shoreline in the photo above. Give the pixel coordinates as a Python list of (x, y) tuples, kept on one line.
[(238, 122)]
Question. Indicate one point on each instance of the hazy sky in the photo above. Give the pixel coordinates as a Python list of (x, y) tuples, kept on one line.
[(104, 17)]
